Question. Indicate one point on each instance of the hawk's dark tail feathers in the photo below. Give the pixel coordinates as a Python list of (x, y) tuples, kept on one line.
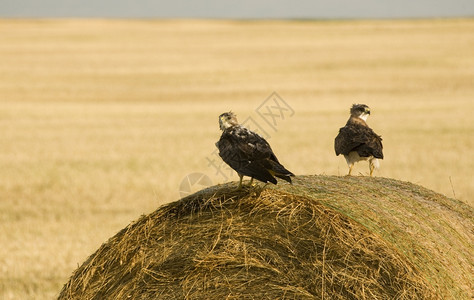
[(286, 178), (279, 171)]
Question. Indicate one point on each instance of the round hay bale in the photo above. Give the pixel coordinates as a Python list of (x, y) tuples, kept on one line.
[(324, 237)]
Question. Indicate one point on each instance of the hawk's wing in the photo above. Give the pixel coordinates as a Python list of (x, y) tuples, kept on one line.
[(358, 138)]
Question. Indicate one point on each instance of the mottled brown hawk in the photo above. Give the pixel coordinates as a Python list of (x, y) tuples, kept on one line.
[(357, 141), (248, 153)]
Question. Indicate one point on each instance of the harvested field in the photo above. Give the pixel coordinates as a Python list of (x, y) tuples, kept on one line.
[(97, 115)]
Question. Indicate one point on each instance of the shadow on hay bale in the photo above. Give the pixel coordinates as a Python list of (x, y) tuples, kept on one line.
[(325, 237)]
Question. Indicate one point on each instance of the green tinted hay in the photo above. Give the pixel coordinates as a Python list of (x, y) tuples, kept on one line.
[(325, 237)]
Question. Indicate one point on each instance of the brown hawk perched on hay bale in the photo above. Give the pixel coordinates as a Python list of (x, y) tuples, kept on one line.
[(248, 153), (357, 141)]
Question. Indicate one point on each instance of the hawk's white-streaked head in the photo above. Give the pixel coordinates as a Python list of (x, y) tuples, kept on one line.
[(227, 120), (360, 111)]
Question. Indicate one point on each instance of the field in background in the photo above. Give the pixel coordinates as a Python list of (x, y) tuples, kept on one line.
[(100, 120)]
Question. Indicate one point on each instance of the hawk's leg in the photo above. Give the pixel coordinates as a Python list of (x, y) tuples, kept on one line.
[(240, 182), (251, 181), (350, 169), (371, 167)]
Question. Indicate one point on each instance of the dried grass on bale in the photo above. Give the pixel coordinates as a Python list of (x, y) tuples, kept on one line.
[(276, 242)]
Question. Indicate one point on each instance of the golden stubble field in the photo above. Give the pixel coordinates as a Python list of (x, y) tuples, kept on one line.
[(100, 120)]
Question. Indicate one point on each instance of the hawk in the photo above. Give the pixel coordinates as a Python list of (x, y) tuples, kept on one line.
[(248, 153), (357, 141)]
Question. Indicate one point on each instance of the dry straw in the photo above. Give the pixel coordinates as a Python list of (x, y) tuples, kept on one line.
[(324, 237)]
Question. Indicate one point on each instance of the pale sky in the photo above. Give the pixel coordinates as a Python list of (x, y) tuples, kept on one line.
[(241, 9)]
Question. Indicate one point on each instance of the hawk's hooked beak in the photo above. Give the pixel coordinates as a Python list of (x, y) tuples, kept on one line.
[(222, 122)]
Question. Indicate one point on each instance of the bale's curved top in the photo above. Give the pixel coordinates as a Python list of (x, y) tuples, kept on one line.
[(324, 236)]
